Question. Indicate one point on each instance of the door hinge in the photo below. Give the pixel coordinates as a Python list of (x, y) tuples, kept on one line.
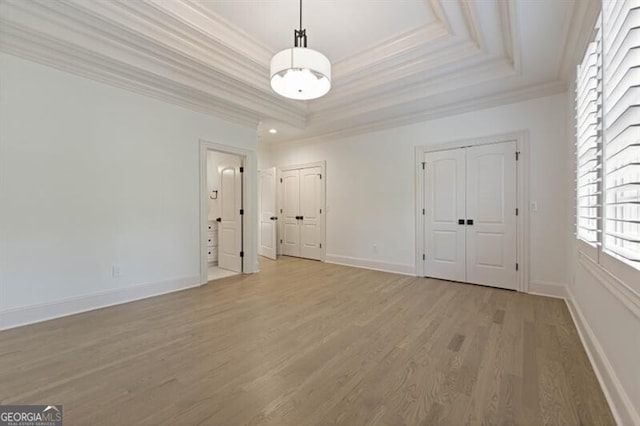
[(241, 254), (517, 155), (280, 241), (280, 210), (241, 169), (424, 163), (320, 211), (517, 211), (517, 266), (241, 211), (280, 180), (320, 174), (422, 212), (424, 256), (320, 245)]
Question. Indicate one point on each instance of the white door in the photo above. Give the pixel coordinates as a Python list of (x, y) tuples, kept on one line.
[(470, 215), (268, 215), (491, 215), (230, 221), (290, 213), (310, 222), (445, 251)]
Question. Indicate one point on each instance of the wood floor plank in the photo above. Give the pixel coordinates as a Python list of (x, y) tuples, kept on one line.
[(308, 343)]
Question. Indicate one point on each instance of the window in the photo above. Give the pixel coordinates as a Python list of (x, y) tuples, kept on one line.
[(608, 136)]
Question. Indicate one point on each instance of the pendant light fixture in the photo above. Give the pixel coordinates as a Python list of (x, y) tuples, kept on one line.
[(299, 72)]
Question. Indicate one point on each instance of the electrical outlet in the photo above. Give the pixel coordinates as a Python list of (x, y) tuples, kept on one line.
[(375, 248), (534, 206), (116, 271)]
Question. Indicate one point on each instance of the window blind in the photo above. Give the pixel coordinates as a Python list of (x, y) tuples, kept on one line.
[(621, 121), (588, 143)]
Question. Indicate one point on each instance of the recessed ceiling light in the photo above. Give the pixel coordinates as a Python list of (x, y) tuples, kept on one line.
[(273, 131)]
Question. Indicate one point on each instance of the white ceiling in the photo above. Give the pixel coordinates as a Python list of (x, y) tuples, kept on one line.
[(394, 61), (337, 28)]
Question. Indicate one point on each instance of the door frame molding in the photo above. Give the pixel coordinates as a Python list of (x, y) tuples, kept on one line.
[(249, 202), (323, 202), (522, 197)]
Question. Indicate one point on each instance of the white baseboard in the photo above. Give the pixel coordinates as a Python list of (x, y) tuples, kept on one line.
[(17, 317), (619, 402), (549, 289), (375, 265)]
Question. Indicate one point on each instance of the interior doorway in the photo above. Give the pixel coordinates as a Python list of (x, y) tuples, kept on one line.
[(227, 211), (224, 214)]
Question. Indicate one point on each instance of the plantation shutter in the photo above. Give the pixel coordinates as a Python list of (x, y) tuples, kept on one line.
[(588, 141), (621, 112)]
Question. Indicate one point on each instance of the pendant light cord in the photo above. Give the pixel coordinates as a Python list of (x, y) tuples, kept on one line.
[(300, 15)]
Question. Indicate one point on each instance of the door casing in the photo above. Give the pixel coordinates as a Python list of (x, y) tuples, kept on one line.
[(522, 221)]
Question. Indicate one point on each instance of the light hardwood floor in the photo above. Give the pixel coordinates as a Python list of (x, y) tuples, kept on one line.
[(306, 343)]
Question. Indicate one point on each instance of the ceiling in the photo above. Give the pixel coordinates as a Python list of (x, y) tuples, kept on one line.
[(394, 61)]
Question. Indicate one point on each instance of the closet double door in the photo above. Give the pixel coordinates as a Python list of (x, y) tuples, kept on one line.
[(470, 215), (301, 200)]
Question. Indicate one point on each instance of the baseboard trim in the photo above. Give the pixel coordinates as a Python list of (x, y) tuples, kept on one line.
[(17, 317), (619, 402), (375, 265), (549, 289)]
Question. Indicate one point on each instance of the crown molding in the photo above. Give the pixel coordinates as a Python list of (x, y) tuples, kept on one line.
[(455, 77), (120, 75), (579, 29), (477, 103), (184, 53), (218, 28), (117, 54), (509, 30), (471, 21)]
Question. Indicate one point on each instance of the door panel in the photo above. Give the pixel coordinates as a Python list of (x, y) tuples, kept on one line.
[(491, 204), (444, 207), (310, 204), (290, 211), (267, 234), (230, 227)]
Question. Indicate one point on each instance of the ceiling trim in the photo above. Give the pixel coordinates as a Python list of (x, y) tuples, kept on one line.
[(186, 54), (478, 103), (510, 35), (136, 55), (579, 29)]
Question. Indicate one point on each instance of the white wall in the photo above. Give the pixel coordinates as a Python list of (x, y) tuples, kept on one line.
[(92, 176), (371, 184)]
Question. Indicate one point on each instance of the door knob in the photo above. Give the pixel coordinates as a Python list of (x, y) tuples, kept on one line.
[(219, 219), (469, 221), (301, 217), (273, 218), (460, 221)]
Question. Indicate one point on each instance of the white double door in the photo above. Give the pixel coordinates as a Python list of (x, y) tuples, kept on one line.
[(301, 199), (470, 215)]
